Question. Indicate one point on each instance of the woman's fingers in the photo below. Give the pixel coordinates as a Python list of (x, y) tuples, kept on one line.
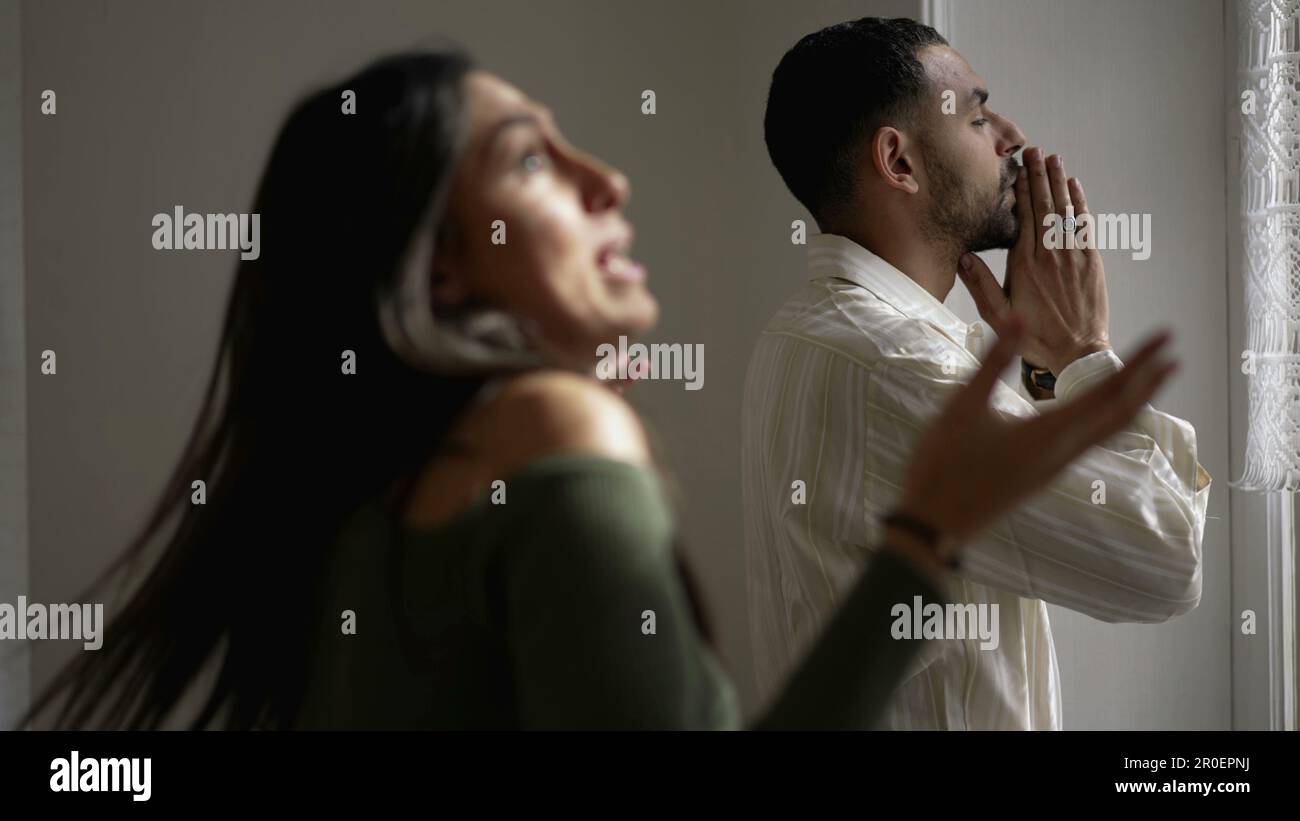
[(1133, 395), (976, 392), (1022, 455), (1098, 396), (1106, 408)]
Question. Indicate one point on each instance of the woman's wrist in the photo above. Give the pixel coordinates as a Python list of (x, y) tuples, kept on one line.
[(912, 537), (914, 553)]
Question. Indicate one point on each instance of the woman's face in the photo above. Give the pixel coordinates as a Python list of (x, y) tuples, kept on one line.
[(558, 256)]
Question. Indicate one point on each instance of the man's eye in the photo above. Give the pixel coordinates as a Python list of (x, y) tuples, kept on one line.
[(532, 160), (979, 122)]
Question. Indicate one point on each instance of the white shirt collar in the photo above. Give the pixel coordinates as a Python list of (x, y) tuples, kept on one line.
[(831, 255)]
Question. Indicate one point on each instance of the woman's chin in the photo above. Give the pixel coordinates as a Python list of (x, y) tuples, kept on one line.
[(649, 316), (635, 317)]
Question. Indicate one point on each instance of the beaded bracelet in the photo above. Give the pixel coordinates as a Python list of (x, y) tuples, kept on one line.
[(922, 531)]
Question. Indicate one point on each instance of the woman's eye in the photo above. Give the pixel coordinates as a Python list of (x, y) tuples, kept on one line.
[(533, 161), (979, 122)]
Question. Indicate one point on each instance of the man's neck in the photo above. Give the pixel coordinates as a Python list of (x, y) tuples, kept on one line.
[(932, 267)]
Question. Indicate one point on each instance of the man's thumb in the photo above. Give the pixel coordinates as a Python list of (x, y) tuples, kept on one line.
[(984, 289)]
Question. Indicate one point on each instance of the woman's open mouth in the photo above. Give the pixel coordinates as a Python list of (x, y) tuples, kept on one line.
[(619, 267)]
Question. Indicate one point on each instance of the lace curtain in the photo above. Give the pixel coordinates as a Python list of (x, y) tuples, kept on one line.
[(1270, 205)]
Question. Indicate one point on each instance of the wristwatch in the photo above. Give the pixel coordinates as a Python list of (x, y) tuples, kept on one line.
[(1037, 376)]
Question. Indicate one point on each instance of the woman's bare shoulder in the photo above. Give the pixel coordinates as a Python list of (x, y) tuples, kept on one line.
[(551, 411)]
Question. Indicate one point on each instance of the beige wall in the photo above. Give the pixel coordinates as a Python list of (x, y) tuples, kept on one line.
[(165, 103), (14, 673)]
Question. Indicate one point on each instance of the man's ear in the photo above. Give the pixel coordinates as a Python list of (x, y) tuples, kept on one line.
[(893, 156)]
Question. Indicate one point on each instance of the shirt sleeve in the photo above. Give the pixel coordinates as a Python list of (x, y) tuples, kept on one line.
[(1116, 536)]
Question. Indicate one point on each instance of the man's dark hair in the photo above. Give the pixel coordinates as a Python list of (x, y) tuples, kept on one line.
[(834, 88)]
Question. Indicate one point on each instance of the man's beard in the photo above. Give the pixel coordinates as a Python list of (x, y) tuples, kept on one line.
[(965, 216)]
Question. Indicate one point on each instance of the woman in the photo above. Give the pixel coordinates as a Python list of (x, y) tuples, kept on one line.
[(383, 364)]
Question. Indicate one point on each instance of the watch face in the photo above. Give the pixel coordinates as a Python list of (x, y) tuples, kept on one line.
[(1038, 377)]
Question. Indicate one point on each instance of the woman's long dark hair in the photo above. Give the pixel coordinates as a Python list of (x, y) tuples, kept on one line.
[(286, 443)]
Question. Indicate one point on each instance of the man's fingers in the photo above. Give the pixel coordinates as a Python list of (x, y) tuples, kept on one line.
[(984, 290), (1077, 198), (1081, 207), (1025, 211), (1040, 191), (1056, 180)]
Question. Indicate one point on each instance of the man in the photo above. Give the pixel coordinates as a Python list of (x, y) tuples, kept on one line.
[(906, 182)]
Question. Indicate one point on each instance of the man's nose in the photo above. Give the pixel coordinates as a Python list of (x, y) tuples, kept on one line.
[(1013, 139)]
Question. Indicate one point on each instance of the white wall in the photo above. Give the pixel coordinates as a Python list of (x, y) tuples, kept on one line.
[(1129, 92)]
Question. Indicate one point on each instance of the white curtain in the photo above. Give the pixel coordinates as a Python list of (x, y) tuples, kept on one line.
[(1270, 203), (1269, 72)]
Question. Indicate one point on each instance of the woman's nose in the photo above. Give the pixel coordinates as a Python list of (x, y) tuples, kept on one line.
[(604, 186)]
